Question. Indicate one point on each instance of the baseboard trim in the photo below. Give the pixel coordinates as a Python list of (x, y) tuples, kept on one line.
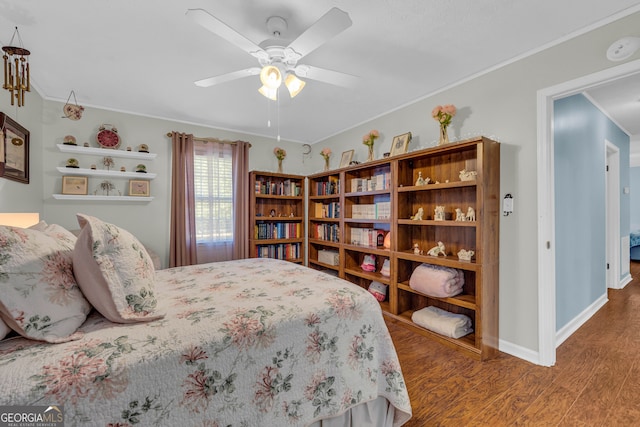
[(567, 330), (519, 352)]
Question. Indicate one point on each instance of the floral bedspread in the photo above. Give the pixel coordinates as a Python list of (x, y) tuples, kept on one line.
[(256, 342)]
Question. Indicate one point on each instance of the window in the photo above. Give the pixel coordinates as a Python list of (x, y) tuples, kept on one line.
[(213, 185)]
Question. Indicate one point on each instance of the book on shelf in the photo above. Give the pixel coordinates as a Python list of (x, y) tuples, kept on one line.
[(379, 210), (287, 187), (328, 232), (381, 181), (328, 187), (280, 230), (326, 210), (367, 237), (284, 251)]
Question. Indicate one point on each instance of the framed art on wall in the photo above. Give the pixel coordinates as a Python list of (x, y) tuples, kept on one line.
[(15, 150), (76, 185), (138, 187), (400, 143), (346, 158)]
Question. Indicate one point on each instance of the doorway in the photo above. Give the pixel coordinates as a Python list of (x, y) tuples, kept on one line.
[(546, 193), (612, 199)]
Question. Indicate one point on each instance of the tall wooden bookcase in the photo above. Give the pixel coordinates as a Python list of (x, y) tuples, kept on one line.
[(391, 182), (276, 216)]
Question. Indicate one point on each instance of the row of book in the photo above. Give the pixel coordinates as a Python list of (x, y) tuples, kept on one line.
[(279, 187), (326, 210), (286, 251), (331, 186), (379, 210), (329, 232), (278, 230), (367, 237), (381, 181)]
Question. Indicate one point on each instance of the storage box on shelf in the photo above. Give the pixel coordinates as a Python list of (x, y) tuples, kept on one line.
[(277, 210)]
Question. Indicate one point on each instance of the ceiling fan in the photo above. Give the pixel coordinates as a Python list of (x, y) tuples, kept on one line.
[(276, 60)]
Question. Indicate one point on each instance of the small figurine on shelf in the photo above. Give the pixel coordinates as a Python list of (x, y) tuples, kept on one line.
[(72, 163), (460, 215), (437, 250), (466, 175), (272, 212), (69, 140), (143, 148), (141, 168), (471, 214), (465, 255), (439, 214), (108, 162), (422, 181), (416, 249), (418, 216)]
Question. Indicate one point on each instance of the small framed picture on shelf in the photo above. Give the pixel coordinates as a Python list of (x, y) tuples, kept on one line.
[(75, 185), (400, 144), (346, 158), (139, 187)]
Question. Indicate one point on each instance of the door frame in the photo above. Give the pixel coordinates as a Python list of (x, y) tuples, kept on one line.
[(612, 200), (546, 193)]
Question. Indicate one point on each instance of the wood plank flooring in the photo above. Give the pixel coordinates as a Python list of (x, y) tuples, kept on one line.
[(595, 382)]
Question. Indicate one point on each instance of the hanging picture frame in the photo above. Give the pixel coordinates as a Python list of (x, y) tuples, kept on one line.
[(15, 150)]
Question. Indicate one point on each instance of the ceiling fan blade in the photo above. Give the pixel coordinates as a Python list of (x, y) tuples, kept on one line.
[(329, 25), (327, 76), (228, 77), (213, 24)]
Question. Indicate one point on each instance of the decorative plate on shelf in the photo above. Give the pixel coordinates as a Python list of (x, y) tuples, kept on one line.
[(108, 137)]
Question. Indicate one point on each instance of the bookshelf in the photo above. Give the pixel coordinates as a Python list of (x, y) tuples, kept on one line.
[(276, 209)]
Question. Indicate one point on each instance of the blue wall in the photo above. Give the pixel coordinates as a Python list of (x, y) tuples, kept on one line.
[(580, 130), (634, 177)]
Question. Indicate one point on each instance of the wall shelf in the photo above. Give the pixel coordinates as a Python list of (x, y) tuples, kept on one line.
[(105, 152), (102, 198), (105, 173)]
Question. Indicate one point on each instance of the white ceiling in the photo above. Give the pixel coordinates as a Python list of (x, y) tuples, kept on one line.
[(143, 56)]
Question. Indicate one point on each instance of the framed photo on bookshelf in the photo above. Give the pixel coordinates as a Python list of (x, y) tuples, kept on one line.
[(400, 144), (75, 185), (346, 158), (139, 187)]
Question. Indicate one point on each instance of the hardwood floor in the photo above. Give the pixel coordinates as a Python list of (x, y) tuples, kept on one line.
[(595, 382)]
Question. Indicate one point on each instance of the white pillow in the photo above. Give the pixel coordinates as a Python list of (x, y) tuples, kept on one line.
[(114, 272), (39, 296)]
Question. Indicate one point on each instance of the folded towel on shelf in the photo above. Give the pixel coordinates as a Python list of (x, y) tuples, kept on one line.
[(437, 281), (442, 322)]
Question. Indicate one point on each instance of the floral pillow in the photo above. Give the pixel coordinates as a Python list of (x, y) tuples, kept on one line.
[(39, 296), (114, 272), (4, 329)]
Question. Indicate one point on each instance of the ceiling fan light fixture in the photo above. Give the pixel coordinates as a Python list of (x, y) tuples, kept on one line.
[(294, 85), (267, 92), (271, 77)]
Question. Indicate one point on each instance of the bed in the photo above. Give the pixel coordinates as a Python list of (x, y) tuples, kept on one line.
[(634, 242), (256, 342)]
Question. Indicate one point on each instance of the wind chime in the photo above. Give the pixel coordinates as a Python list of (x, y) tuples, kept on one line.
[(16, 70)]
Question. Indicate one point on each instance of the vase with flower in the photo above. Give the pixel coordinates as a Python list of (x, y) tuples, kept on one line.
[(443, 114), (280, 155), (368, 140), (326, 154)]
